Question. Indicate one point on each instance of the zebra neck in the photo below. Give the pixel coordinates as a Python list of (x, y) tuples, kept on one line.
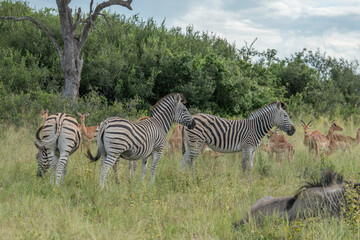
[(164, 121), (263, 125)]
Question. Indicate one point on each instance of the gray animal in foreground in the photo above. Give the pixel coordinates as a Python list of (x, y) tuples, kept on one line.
[(325, 197)]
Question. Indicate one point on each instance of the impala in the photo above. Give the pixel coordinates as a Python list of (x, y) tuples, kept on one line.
[(44, 114), (326, 143), (307, 132), (87, 132), (344, 142), (279, 145)]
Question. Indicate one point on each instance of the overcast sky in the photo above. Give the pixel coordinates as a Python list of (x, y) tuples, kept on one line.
[(285, 25)]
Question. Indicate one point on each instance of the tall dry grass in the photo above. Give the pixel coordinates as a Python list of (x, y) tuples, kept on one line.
[(177, 206)]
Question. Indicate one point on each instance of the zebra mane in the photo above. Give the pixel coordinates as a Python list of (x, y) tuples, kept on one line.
[(183, 100), (265, 109), (325, 179)]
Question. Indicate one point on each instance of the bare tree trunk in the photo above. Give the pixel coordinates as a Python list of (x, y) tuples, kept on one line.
[(72, 75), (71, 63)]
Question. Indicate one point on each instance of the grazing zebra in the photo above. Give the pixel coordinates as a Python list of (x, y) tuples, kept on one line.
[(61, 138), (119, 137), (245, 135)]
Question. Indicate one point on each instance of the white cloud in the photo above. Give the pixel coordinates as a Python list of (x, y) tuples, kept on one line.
[(247, 24)]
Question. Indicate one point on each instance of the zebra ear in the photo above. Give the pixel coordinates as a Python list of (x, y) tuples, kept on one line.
[(178, 98)]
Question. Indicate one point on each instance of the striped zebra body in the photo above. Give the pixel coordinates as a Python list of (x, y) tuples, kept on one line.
[(61, 138), (222, 135), (117, 137)]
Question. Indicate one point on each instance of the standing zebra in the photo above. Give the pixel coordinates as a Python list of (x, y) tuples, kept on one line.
[(226, 136), (119, 137), (61, 138)]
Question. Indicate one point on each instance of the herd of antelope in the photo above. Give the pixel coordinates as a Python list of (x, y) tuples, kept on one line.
[(315, 141)]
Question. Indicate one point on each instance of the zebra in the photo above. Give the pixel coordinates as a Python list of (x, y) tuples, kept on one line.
[(61, 138), (119, 137), (226, 136)]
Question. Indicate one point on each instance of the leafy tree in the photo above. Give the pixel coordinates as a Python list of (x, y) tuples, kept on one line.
[(73, 39)]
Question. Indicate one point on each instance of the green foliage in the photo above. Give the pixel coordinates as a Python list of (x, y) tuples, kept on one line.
[(21, 73), (351, 208), (24, 108), (133, 58), (264, 166)]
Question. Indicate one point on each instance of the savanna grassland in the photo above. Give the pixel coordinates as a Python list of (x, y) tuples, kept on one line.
[(177, 206)]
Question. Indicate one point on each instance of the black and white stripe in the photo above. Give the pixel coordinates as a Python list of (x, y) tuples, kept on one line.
[(119, 137), (61, 138), (226, 136)]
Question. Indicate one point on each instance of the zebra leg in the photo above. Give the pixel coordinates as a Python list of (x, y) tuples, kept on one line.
[(134, 163), (64, 173), (53, 158), (194, 153), (185, 158), (105, 166), (132, 167), (246, 163), (155, 159), (186, 155), (115, 168), (60, 166), (144, 167)]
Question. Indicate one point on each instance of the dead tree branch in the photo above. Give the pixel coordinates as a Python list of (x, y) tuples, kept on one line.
[(78, 18), (93, 16)]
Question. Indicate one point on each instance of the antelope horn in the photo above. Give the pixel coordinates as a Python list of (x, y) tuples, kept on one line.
[(312, 119), (303, 120)]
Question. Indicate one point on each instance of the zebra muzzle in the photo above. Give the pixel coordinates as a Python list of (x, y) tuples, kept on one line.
[(291, 131), (192, 124)]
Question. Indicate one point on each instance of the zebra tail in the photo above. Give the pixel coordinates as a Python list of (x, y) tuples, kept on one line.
[(37, 136), (98, 135), (183, 140), (44, 142), (91, 157)]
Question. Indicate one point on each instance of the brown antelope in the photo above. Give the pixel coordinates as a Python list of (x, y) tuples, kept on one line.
[(87, 132), (279, 145), (345, 142), (177, 139), (326, 143), (307, 133), (44, 114)]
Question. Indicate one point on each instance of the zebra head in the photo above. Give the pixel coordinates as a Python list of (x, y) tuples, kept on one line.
[(42, 159), (282, 119), (182, 115)]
